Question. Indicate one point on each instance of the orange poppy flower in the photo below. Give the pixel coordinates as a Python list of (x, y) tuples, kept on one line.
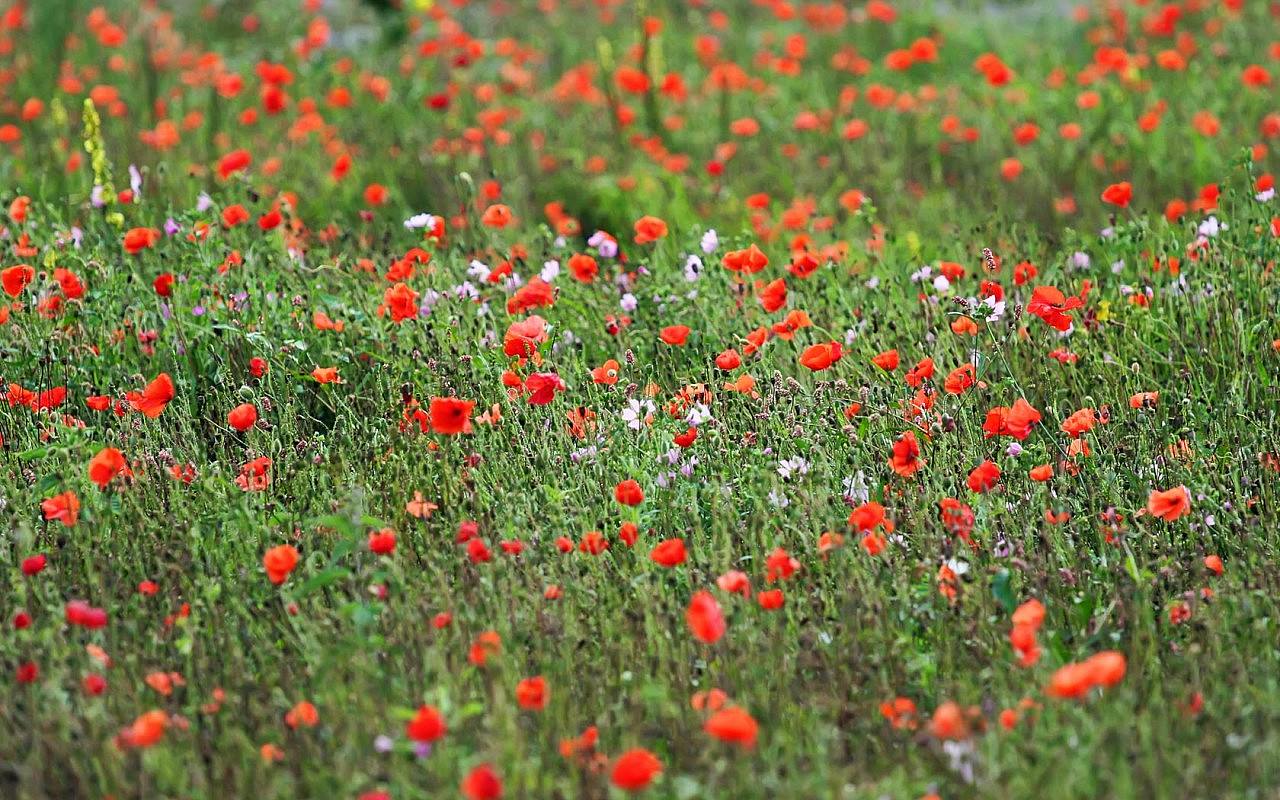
[(326, 375), (821, 356), (496, 216), (1170, 504), (733, 725), (106, 465), (64, 508), (279, 561), (302, 715), (138, 239)]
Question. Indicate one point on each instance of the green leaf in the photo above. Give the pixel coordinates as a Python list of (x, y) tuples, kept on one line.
[(1085, 607), (1132, 567), (344, 548), (323, 578), (338, 523), (1003, 591)]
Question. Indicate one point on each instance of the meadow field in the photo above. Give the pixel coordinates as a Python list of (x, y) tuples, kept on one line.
[(686, 399)]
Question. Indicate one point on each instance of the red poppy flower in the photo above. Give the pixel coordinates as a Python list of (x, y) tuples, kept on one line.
[(451, 415), (1118, 194), (427, 725), (704, 617), (1050, 305), (749, 260), (401, 301), (532, 694), (771, 599), (670, 553), (481, 783), (64, 508), (628, 493), (887, 361), (905, 459), (773, 295), (382, 542), (78, 612), (583, 267), (233, 162), (674, 335), (542, 387), (635, 770), (163, 284), (16, 278), (138, 239), (821, 356), (984, 477), (496, 216), (326, 375), (734, 725), (1170, 504), (106, 465), (279, 561), (242, 417), (649, 229), (1016, 421), (152, 400)]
